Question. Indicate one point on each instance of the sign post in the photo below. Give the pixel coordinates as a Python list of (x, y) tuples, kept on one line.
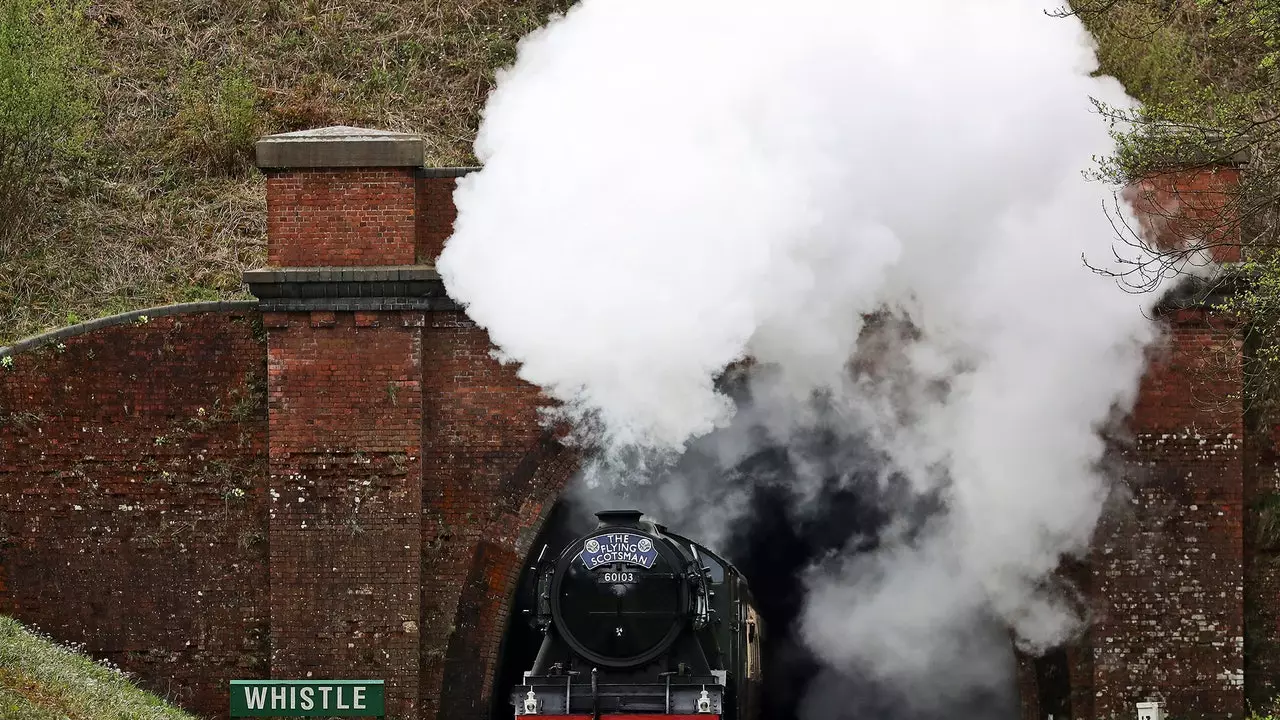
[(301, 698)]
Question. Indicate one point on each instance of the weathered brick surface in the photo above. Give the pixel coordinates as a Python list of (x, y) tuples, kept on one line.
[(492, 475), (436, 213), (1189, 209), (133, 493), (1168, 560), (344, 217), (386, 514), (346, 411), (1060, 682), (1166, 580)]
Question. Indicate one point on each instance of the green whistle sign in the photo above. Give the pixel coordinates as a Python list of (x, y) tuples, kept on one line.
[(300, 698)]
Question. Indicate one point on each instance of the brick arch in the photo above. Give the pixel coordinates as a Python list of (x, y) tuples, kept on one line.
[(1056, 683), (484, 613), (491, 475), (399, 473)]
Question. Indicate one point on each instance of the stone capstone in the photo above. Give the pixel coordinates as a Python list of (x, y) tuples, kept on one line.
[(339, 146)]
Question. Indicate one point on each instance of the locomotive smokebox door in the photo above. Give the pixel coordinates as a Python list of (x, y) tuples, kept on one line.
[(619, 600), (640, 621)]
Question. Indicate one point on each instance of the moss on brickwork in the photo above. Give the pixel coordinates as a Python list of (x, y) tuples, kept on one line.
[(134, 461)]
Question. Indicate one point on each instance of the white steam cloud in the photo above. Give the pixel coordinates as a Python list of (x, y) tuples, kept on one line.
[(673, 185)]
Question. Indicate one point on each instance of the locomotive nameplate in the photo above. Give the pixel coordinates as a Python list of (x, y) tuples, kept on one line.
[(625, 548)]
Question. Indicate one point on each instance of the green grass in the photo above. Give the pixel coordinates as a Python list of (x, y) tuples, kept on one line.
[(40, 680)]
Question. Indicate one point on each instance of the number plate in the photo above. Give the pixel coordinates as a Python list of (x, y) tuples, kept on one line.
[(620, 577)]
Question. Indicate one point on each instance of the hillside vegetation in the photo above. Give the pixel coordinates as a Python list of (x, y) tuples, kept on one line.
[(126, 126), (43, 681), (1208, 73), (148, 195)]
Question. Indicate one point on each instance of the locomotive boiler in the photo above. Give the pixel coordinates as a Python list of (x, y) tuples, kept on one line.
[(640, 622)]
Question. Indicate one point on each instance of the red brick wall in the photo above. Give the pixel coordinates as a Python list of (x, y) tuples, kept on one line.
[(123, 456), (436, 213), (412, 582), (346, 412), (1168, 580), (1168, 558), (348, 217), (1190, 208), (1078, 656), (383, 530), (493, 474), (126, 532)]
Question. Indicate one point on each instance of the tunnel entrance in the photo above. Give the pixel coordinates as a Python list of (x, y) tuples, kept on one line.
[(796, 505), (520, 643), (773, 544), (1053, 684)]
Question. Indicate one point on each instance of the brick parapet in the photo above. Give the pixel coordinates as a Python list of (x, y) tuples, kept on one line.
[(70, 331), (436, 210), (341, 217), (1190, 208)]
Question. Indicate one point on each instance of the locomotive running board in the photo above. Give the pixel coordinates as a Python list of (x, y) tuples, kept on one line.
[(679, 697)]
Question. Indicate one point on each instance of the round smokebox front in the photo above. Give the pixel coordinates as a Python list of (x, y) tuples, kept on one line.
[(618, 597)]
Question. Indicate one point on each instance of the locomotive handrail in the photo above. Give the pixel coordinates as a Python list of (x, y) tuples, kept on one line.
[(568, 688), (698, 576), (595, 695), (541, 582)]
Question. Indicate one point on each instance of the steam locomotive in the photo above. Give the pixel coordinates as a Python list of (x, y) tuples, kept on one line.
[(639, 622)]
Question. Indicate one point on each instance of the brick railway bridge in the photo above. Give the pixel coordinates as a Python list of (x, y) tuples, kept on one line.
[(338, 480)]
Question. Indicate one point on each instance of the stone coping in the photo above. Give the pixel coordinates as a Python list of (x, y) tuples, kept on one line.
[(397, 287), (339, 146), (381, 273), (420, 288), (36, 341)]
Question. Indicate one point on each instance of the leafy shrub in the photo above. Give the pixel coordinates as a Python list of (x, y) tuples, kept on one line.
[(44, 100), (218, 119)]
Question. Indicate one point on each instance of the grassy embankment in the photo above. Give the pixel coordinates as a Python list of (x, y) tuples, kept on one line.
[(40, 680), (161, 204)]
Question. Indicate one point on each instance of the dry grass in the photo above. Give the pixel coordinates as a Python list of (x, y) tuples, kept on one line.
[(167, 208)]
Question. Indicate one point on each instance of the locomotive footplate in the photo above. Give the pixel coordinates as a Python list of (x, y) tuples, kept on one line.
[(558, 695)]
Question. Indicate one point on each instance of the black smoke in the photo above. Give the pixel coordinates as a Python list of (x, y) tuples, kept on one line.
[(777, 543), (779, 511), (778, 540)]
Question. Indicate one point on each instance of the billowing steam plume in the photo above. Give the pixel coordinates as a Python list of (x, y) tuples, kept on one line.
[(671, 186)]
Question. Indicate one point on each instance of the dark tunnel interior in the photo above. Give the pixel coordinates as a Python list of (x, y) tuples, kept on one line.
[(773, 549), (774, 543)]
